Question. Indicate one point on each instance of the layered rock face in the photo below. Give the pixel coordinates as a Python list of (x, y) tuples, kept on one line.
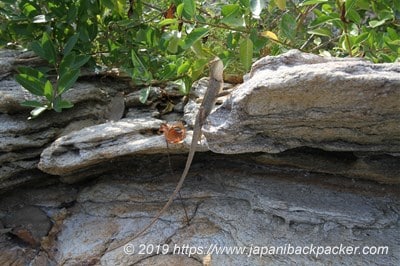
[(231, 203), (338, 116), (22, 140), (344, 111), (305, 152)]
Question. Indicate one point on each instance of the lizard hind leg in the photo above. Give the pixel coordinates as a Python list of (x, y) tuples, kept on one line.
[(163, 128)]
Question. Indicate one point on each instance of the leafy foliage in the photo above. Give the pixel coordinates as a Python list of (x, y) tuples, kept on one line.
[(38, 83), (172, 40)]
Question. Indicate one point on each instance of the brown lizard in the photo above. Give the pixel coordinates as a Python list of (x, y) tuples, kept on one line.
[(214, 88)]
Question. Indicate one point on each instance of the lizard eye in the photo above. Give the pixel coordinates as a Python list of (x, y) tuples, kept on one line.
[(174, 133)]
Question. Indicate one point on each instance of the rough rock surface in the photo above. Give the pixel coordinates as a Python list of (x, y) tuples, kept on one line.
[(240, 205), (314, 136), (95, 145), (383, 168), (303, 100), (297, 108), (98, 144), (298, 100), (29, 224), (21, 140)]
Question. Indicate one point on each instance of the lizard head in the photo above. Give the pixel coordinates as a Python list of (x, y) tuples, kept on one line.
[(216, 68)]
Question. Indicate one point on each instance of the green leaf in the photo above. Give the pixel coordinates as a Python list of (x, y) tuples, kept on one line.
[(108, 3), (137, 63), (32, 84), (364, 4), (139, 68), (353, 16), (196, 70), (376, 23), (201, 19), (32, 72), (392, 33), (71, 15), (183, 68), (38, 49), (246, 53), (179, 10), (184, 85), (88, 31), (64, 104), (321, 32), (144, 95), (67, 79), (233, 40), (288, 26), (173, 43), (346, 46), (121, 6), (232, 15), (372, 38), (56, 104), (395, 42), (80, 60), (32, 104), (245, 3), (189, 9), (188, 82), (393, 45), (48, 48), (150, 38), (48, 91), (313, 2), (167, 21), (67, 62), (386, 14), (199, 50), (70, 44), (168, 71), (361, 38), (396, 4), (29, 10), (317, 41), (194, 36), (281, 4), (323, 19), (258, 42), (84, 34), (136, 8), (349, 4), (230, 41), (92, 31)]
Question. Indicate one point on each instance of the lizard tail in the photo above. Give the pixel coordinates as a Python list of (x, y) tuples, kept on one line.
[(195, 138)]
